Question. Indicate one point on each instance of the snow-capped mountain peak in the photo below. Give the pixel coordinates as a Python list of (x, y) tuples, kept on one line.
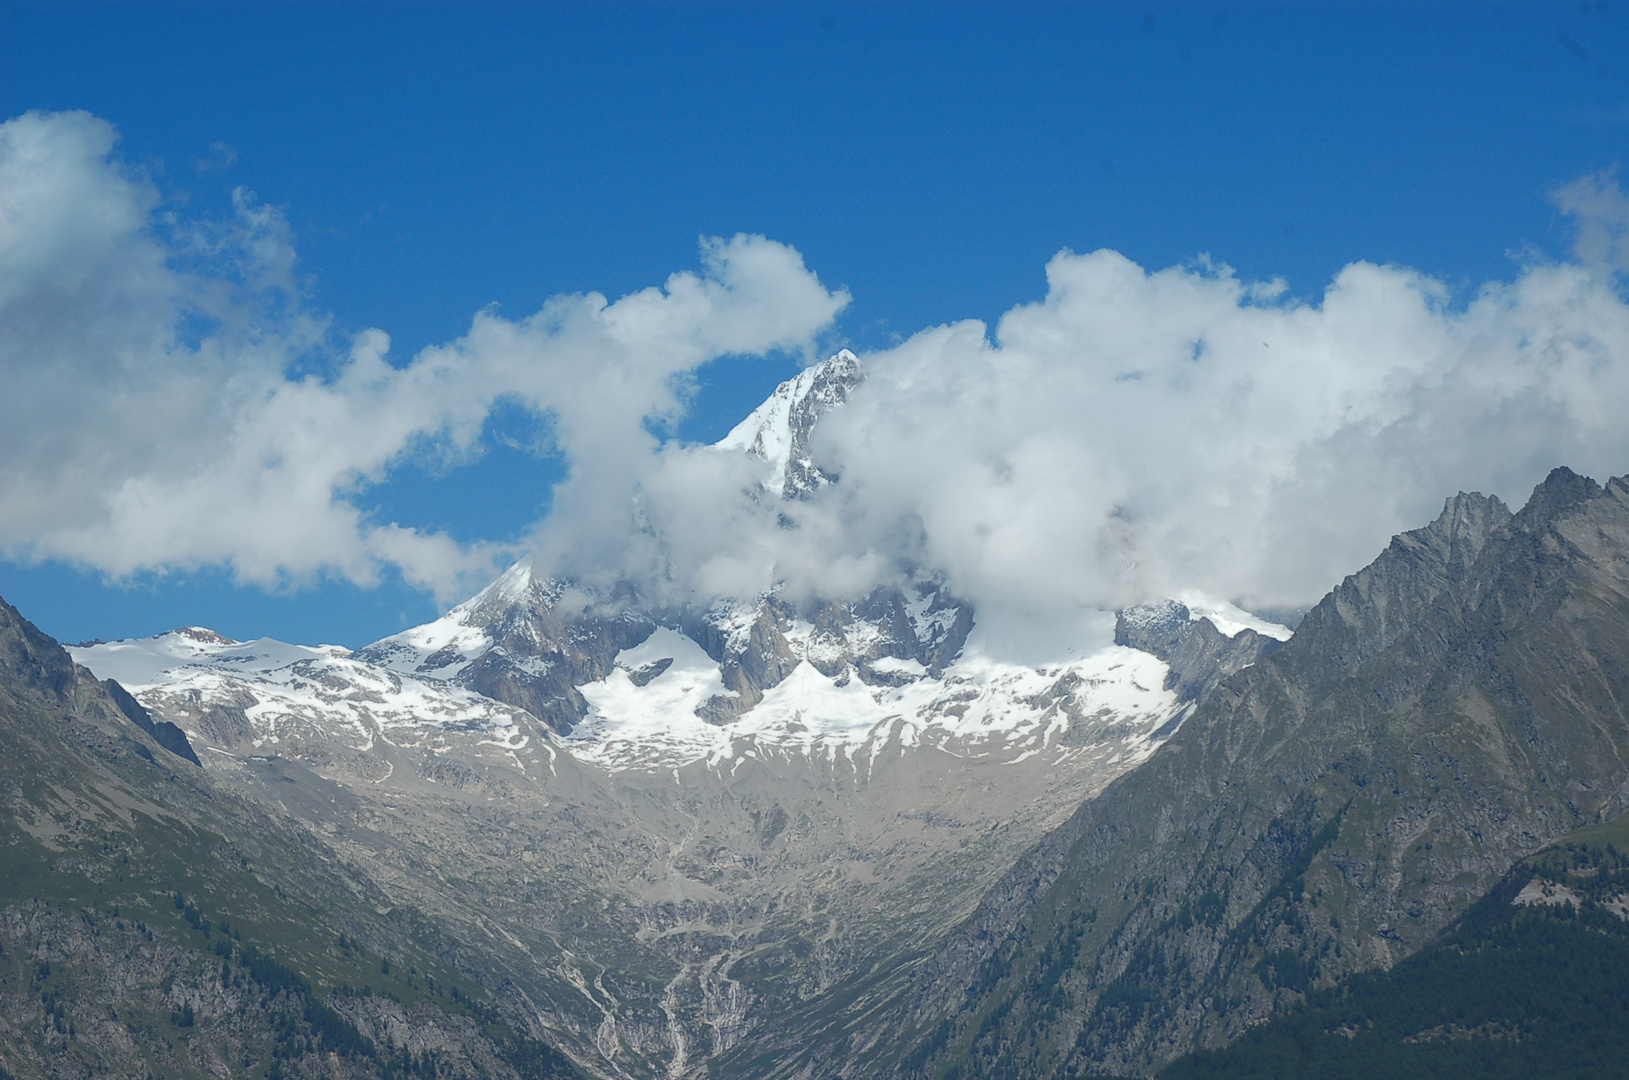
[(633, 686), (779, 430)]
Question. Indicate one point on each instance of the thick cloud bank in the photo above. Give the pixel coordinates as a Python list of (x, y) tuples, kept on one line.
[(1144, 433), (1139, 434), (1133, 434)]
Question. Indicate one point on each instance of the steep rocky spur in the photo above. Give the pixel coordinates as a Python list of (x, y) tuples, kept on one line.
[(1440, 714)]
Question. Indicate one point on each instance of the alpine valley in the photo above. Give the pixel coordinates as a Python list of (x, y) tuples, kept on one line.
[(562, 831)]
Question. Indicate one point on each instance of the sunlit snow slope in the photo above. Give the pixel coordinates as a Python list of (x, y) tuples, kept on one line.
[(290, 692)]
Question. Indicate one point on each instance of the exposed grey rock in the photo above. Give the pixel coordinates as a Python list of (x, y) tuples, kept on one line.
[(163, 732), (1199, 654), (760, 642), (1439, 715)]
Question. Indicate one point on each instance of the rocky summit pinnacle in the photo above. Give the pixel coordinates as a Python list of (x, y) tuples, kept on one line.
[(779, 430)]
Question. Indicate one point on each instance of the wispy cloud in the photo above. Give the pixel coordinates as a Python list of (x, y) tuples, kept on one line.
[(1600, 210), (222, 156)]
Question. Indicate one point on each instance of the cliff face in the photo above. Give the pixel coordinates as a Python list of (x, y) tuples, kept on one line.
[(1200, 655), (1328, 810)]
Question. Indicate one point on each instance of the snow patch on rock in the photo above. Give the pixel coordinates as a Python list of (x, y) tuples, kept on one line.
[(1230, 618)]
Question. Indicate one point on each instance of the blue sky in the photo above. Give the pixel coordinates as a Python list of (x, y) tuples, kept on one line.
[(432, 160)]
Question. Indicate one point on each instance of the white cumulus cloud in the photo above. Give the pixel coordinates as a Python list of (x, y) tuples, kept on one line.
[(1133, 434), (1143, 433), (1137, 434), (152, 416)]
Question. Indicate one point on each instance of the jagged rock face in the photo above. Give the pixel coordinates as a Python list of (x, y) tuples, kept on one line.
[(887, 638), (1200, 655), (523, 641), (534, 643), (1328, 810), (1416, 590), (781, 429)]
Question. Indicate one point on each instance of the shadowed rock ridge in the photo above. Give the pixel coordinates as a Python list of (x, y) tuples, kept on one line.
[(1440, 714), (163, 732), (1200, 656)]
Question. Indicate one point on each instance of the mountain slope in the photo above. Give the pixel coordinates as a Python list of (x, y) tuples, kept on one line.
[(1533, 980), (152, 923), (1329, 810)]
